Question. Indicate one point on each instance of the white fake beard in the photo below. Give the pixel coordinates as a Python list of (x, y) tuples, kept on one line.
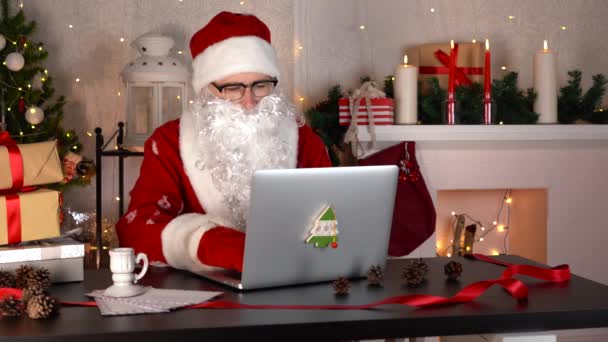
[(234, 143)]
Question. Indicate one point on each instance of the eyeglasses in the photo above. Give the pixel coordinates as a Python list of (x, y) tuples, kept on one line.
[(236, 91)]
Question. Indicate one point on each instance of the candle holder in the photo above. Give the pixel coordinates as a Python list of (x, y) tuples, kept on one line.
[(450, 111), (489, 113)]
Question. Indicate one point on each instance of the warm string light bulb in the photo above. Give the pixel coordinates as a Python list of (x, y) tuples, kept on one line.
[(508, 200), (500, 228)]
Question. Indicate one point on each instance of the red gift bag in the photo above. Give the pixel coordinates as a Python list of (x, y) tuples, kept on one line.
[(414, 213)]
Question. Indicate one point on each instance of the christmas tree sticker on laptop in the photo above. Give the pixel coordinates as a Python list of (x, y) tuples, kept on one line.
[(324, 231)]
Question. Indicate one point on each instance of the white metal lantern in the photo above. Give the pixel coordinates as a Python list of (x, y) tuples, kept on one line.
[(156, 87)]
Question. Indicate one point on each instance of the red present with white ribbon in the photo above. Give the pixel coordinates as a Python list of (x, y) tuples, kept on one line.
[(382, 110)]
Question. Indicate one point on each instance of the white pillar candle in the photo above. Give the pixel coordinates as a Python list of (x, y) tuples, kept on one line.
[(545, 85), (405, 87)]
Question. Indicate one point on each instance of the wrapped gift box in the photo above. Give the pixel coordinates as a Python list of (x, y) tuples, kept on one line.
[(41, 164), (433, 61), (63, 257), (39, 213), (382, 109)]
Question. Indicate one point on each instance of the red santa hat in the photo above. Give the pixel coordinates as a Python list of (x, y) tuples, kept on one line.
[(229, 44)]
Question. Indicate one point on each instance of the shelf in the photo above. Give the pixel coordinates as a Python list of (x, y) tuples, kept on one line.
[(437, 135)]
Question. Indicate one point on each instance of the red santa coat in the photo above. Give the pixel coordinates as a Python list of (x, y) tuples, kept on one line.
[(173, 203)]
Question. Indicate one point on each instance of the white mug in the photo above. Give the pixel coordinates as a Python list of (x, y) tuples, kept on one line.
[(122, 265)]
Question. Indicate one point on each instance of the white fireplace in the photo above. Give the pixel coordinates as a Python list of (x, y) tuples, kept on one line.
[(569, 162)]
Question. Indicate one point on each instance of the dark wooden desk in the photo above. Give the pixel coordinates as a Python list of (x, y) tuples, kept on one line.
[(581, 303)]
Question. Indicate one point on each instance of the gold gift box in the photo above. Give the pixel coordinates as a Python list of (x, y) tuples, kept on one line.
[(470, 55), (39, 215), (41, 164)]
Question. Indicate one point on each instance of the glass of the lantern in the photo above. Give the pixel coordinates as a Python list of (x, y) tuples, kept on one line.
[(171, 102), (140, 114)]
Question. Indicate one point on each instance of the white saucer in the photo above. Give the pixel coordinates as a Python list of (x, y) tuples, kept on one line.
[(124, 291)]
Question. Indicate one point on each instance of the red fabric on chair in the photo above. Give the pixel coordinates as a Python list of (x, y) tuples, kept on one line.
[(222, 247), (414, 214)]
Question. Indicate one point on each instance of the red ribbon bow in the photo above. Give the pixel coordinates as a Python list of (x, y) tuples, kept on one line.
[(461, 72)]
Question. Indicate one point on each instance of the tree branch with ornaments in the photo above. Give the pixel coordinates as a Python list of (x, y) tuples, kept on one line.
[(30, 111)]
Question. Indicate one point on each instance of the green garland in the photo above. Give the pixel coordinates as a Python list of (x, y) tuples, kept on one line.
[(513, 106), (324, 120), (574, 106)]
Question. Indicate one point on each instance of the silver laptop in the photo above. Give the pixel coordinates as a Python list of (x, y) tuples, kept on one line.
[(313, 225)]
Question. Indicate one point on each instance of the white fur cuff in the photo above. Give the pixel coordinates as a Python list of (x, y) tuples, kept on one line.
[(180, 239)]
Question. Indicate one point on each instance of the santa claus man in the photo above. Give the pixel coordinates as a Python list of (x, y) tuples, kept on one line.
[(189, 205)]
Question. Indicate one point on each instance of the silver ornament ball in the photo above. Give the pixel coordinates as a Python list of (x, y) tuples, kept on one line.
[(2, 42), (34, 115), (14, 61)]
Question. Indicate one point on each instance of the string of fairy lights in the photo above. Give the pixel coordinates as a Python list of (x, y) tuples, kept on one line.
[(433, 11), (501, 224)]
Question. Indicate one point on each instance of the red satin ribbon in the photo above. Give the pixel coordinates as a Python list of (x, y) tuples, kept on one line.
[(15, 161), (461, 72), (5, 138), (556, 274), (16, 165), (13, 218), (514, 287), (13, 205)]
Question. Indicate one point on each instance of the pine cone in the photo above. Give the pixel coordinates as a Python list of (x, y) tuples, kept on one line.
[(453, 270), (7, 279), (341, 286), (40, 278), (375, 275), (41, 306), (11, 307), (23, 275), (421, 265), (413, 274), (30, 292)]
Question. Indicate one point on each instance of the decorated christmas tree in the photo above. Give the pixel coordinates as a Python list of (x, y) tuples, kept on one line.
[(29, 109)]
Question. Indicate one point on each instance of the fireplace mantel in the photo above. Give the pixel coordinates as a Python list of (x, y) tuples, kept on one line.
[(491, 136)]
